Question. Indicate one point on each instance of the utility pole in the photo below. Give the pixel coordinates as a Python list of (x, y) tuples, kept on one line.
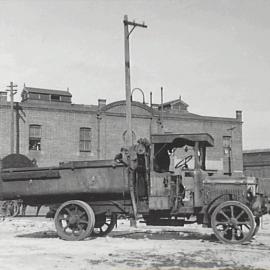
[(129, 141), (19, 116), (12, 94), (127, 34)]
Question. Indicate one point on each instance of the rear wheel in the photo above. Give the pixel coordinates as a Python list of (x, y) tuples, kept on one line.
[(257, 227), (74, 220), (16, 208), (233, 222), (11, 208), (104, 225)]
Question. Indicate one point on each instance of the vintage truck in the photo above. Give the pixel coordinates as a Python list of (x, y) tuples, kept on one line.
[(147, 180)]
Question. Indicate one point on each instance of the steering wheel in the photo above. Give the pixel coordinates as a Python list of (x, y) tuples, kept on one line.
[(183, 162)]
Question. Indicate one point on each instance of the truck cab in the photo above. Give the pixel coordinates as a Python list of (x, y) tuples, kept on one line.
[(177, 171)]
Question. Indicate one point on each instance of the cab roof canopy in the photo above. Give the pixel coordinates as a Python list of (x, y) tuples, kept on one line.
[(180, 140)]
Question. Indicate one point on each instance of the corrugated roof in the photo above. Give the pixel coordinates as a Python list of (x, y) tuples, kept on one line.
[(47, 91)]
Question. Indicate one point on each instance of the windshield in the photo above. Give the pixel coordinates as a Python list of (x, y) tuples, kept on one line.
[(168, 157)]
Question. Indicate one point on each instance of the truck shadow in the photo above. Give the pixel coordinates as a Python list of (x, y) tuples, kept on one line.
[(165, 235), (40, 234), (160, 235)]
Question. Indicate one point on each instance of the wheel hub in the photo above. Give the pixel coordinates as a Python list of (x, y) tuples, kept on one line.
[(233, 222), (73, 219)]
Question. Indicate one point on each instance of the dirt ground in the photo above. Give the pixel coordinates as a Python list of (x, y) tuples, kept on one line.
[(32, 243)]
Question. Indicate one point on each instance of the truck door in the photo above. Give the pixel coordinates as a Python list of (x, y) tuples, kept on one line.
[(159, 191)]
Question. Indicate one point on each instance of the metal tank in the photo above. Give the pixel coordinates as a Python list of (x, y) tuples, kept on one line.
[(87, 179)]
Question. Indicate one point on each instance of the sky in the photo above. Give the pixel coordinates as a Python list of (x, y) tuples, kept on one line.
[(215, 54)]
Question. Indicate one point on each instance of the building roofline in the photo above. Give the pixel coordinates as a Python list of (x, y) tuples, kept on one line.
[(47, 91), (123, 102), (55, 106), (94, 109), (265, 150), (174, 102)]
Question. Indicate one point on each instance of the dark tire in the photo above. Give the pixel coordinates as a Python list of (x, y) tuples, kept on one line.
[(257, 226), (11, 208), (104, 225), (233, 222), (74, 220), (16, 208)]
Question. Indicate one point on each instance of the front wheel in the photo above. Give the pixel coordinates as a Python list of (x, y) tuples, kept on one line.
[(233, 222), (74, 220)]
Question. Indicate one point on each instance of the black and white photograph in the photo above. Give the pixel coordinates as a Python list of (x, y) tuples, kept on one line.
[(134, 134)]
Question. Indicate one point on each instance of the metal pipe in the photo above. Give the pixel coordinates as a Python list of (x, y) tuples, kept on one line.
[(17, 129), (140, 91), (161, 117), (1, 182), (98, 134)]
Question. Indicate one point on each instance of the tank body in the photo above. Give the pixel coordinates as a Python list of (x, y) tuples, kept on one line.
[(72, 179)]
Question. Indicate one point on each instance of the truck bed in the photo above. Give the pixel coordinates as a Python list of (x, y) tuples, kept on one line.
[(88, 178)]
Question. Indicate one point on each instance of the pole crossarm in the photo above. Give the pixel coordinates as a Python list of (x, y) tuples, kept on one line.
[(134, 24)]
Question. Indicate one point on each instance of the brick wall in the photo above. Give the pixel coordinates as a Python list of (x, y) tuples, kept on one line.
[(257, 163), (60, 131), (4, 130)]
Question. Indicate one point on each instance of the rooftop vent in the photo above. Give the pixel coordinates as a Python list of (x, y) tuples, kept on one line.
[(101, 103), (45, 95)]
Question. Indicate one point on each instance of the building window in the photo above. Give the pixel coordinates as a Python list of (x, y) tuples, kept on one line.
[(227, 145), (35, 137), (55, 98), (85, 139), (227, 151), (34, 96), (44, 97), (124, 137)]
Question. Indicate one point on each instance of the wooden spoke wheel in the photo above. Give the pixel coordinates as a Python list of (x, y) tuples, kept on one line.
[(74, 220), (16, 208), (11, 208), (233, 222), (104, 225)]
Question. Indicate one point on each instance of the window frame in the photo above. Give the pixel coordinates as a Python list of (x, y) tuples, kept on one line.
[(84, 140), (35, 135), (227, 145)]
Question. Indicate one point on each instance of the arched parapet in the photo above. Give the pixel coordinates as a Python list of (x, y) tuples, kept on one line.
[(119, 107)]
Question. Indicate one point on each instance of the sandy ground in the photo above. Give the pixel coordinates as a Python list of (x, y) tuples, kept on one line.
[(32, 243)]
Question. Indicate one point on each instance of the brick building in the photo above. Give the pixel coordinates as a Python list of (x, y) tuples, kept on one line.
[(257, 163), (56, 130)]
